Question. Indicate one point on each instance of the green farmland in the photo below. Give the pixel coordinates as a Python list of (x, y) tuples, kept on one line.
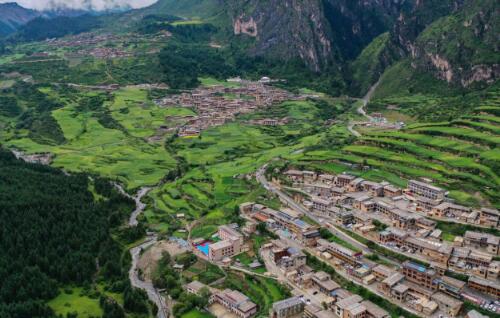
[(460, 155)]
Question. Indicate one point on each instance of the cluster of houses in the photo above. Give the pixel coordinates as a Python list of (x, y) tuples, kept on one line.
[(349, 201), (289, 222), (217, 105)]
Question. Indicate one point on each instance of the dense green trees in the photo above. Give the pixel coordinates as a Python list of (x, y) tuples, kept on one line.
[(42, 28), (52, 233)]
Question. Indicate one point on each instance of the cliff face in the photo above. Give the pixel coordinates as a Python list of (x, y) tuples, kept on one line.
[(462, 48), (320, 32), (455, 40), (285, 29)]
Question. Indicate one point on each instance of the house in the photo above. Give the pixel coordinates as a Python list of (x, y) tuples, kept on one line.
[(324, 283), (235, 302), (341, 306), (451, 306), (486, 241), (381, 272), (420, 275), (451, 286), (374, 311), (390, 282), (288, 308), (399, 292), (344, 254), (343, 180), (485, 286), (475, 314), (489, 217), (449, 210), (195, 287), (426, 190)]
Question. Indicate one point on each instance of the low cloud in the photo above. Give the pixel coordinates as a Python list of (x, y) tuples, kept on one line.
[(96, 5)]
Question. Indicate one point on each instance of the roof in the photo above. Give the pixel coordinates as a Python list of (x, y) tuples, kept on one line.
[(374, 310), (383, 270), (475, 314), (219, 245), (195, 285), (289, 302), (393, 279), (446, 300), (346, 302), (401, 288), (484, 282), (325, 314), (356, 309), (423, 184), (453, 282)]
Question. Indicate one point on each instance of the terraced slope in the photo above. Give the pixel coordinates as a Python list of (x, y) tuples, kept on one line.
[(462, 155)]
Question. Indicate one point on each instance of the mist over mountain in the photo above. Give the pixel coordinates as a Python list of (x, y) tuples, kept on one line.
[(87, 5)]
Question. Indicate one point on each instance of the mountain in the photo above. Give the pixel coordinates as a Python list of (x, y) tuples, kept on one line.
[(12, 16)]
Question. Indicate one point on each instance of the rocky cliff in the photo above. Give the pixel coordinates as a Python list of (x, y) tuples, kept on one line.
[(462, 48)]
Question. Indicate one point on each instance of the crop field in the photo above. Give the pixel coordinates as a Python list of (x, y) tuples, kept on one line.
[(220, 158), (123, 155)]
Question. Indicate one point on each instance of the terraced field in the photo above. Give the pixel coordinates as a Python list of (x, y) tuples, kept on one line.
[(461, 155)]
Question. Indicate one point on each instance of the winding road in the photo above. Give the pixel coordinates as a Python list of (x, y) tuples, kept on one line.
[(133, 274), (361, 109), (260, 176)]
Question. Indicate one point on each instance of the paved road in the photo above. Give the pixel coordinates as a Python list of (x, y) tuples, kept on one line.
[(361, 109), (260, 176), (139, 206)]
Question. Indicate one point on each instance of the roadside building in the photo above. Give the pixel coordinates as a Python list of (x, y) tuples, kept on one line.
[(344, 254), (489, 217), (374, 311), (343, 180), (420, 275), (426, 190), (486, 241), (341, 306), (485, 286), (288, 308), (235, 302), (451, 306), (195, 287), (475, 314), (324, 283), (451, 286)]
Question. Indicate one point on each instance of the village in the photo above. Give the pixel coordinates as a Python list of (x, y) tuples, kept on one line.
[(425, 284), (103, 46), (217, 105)]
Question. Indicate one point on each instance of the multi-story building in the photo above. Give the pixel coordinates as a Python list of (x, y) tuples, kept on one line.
[(489, 217), (451, 286), (341, 306), (235, 302), (451, 306), (324, 283), (486, 241), (343, 180), (288, 308), (426, 190), (344, 254), (420, 275), (485, 286), (450, 210), (231, 243), (287, 258)]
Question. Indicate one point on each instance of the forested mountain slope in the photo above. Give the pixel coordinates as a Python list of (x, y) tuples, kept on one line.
[(53, 233)]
